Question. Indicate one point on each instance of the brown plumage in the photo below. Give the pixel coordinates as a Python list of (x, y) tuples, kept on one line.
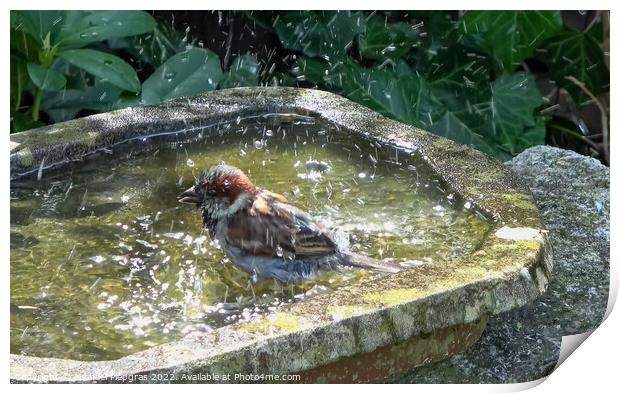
[(262, 233)]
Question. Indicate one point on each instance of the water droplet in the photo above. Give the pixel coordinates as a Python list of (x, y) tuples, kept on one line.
[(317, 166), (362, 175), (124, 198), (439, 208), (189, 162), (258, 144), (269, 133), (169, 76)]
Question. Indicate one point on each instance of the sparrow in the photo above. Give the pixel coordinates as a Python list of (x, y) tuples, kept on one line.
[(264, 235)]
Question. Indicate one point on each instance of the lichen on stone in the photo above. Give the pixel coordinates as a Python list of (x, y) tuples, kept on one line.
[(277, 322)]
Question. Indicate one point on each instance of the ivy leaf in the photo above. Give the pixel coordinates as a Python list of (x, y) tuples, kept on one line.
[(511, 36), (45, 78), (382, 40), (405, 97), (452, 127), (103, 25), (153, 48), (326, 34), (193, 71), (105, 66), (243, 72), (315, 71), (578, 55), (458, 74), (514, 100), (37, 23)]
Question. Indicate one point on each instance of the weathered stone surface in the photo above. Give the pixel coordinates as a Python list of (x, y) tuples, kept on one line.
[(509, 269), (572, 192)]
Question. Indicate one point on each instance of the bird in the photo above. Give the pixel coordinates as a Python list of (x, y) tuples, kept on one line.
[(263, 234)]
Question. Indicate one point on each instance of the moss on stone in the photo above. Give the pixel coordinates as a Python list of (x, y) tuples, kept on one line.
[(521, 200), (394, 296), (24, 157), (345, 311), (280, 321)]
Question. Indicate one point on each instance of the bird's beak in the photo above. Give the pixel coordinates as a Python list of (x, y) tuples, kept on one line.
[(190, 196)]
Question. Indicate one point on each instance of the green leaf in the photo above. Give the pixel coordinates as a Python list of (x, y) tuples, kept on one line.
[(326, 34), (105, 66), (153, 48), (45, 78), (405, 97), (19, 80), (382, 40), (452, 127), (514, 101), (21, 121), (103, 25), (243, 72), (101, 97), (315, 71), (24, 46), (511, 36), (191, 72), (455, 64), (37, 23), (578, 55)]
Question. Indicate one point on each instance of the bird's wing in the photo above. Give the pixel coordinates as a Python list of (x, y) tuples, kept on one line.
[(271, 227)]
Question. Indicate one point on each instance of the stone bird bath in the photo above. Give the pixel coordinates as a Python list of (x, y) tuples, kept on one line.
[(362, 333)]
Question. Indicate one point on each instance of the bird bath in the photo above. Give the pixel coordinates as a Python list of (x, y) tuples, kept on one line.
[(145, 297)]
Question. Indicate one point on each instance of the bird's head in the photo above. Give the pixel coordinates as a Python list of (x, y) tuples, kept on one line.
[(217, 190)]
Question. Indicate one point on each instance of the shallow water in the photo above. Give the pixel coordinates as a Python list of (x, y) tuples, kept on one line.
[(104, 261)]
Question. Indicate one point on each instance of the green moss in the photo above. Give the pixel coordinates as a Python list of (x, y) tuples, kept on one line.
[(516, 245), (446, 144), (528, 244), (521, 200), (281, 321), (62, 135), (393, 297), (346, 311)]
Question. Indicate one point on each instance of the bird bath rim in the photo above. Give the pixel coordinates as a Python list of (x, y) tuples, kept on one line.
[(510, 268)]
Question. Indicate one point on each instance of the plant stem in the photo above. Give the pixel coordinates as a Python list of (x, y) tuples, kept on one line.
[(603, 111), (574, 134), (36, 104)]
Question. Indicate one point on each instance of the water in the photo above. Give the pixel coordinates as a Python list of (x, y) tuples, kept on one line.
[(105, 262)]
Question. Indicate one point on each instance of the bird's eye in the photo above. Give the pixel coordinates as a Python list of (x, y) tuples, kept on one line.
[(211, 192)]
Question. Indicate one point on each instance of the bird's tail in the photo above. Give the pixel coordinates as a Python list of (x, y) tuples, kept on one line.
[(359, 261)]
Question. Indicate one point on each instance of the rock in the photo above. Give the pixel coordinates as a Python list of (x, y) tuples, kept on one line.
[(572, 193)]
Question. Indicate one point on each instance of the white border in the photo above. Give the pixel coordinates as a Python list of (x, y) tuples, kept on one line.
[(593, 367)]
